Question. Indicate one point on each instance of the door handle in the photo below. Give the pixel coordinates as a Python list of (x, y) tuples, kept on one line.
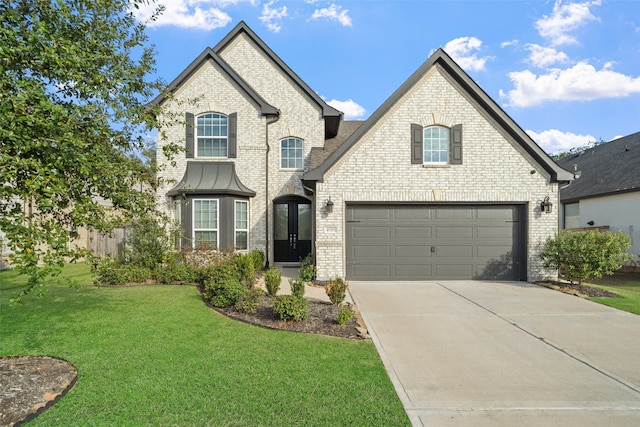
[(291, 239), (295, 238)]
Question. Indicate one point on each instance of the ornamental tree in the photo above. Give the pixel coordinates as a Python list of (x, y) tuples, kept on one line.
[(74, 88)]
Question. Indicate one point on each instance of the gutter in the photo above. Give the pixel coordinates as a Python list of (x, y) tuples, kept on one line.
[(266, 190)]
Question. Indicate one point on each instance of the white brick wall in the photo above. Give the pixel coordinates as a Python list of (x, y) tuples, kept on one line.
[(378, 168)]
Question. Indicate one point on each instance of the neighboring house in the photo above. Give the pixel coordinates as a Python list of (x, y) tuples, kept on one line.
[(439, 183), (608, 190)]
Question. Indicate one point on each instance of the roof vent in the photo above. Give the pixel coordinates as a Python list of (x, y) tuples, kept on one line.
[(626, 147)]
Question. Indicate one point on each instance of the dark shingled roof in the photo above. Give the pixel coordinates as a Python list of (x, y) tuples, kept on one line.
[(609, 168), (346, 129)]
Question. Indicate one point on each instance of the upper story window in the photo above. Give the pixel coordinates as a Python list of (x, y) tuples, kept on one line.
[(212, 133), (291, 154), (436, 145)]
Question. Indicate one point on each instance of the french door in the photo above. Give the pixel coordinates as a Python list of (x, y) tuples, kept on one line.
[(292, 229)]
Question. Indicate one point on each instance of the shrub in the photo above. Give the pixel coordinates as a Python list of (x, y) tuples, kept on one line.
[(246, 269), (137, 274), (272, 279), (220, 273), (336, 290), (223, 293), (148, 242), (110, 272), (307, 270), (586, 254), (297, 287), (290, 307), (176, 273), (249, 300), (258, 258), (344, 314)]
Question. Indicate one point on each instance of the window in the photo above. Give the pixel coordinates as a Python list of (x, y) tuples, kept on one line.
[(436, 145), (291, 154), (205, 223), (241, 239), (572, 215), (212, 133)]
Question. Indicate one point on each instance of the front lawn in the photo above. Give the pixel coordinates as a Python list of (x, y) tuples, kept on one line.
[(626, 285), (156, 355)]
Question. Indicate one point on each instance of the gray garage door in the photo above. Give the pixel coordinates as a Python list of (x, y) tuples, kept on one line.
[(420, 242)]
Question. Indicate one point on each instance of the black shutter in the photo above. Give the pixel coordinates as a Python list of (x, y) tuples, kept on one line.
[(232, 139), (190, 128), (417, 154), (455, 154)]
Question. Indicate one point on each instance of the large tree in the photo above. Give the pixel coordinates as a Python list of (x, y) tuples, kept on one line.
[(74, 87)]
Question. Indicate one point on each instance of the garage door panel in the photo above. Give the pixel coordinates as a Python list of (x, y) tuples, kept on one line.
[(469, 242), (412, 232), (454, 232), (367, 232), (412, 251)]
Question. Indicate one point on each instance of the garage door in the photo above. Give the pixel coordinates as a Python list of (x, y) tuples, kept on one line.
[(420, 242)]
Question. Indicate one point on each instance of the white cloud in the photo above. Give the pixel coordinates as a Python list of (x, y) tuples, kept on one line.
[(198, 14), (554, 141), (513, 42), (271, 16), (350, 108), (565, 18), (333, 13), (580, 82), (542, 56), (462, 51)]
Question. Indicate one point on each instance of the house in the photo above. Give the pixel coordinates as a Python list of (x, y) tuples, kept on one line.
[(439, 183), (607, 194)]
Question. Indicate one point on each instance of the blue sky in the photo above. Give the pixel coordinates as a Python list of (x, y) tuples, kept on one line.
[(568, 72)]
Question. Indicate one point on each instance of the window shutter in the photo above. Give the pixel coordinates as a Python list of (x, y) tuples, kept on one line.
[(417, 153), (455, 147), (190, 128), (232, 140)]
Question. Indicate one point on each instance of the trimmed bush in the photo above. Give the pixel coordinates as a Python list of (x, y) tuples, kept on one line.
[(297, 287), (290, 307), (249, 300), (586, 254), (272, 280), (110, 272), (336, 290), (258, 258), (307, 270), (344, 314), (224, 293), (246, 269)]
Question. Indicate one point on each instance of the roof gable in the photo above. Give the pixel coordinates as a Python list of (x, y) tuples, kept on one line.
[(441, 58), (331, 115), (206, 55), (608, 168)]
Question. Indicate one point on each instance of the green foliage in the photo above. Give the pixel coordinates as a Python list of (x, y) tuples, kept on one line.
[(344, 314), (336, 290), (585, 254), (248, 300), (246, 269), (307, 270), (73, 118), (148, 244), (272, 280), (110, 272), (223, 293), (290, 307), (204, 264), (258, 258), (297, 287)]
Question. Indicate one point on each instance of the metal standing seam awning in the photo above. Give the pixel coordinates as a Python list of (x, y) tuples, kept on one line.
[(211, 178)]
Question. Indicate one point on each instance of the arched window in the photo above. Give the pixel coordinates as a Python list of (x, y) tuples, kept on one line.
[(291, 154), (436, 145), (212, 134)]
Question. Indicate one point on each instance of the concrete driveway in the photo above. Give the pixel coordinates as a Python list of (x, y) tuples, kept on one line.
[(464, 353)]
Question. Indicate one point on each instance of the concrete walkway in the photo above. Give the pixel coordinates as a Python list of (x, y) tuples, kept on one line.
[(463, 353), (310, 292)]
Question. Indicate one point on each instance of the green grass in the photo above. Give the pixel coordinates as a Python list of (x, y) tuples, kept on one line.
[(628, 298), (156, 355)]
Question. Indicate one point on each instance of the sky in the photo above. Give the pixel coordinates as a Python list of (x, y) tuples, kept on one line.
[(568, 72)]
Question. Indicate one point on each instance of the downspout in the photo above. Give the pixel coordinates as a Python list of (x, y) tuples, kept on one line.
[(266, 190)]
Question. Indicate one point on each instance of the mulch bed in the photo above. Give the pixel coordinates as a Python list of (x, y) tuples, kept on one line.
[(582, 291)]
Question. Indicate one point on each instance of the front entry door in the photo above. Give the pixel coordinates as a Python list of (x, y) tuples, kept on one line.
[(292, 229)]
